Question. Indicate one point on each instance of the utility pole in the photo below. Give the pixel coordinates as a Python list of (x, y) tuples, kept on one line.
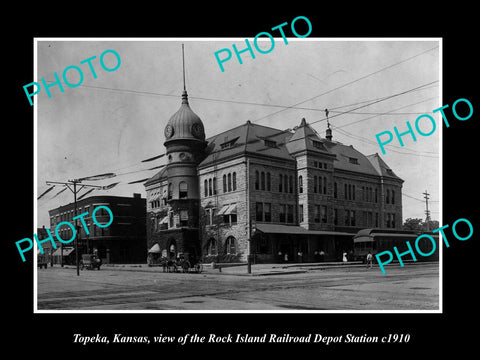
[(427, 212), (72, 186)]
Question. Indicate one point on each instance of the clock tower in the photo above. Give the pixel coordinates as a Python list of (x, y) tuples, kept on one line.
[(185, 144)]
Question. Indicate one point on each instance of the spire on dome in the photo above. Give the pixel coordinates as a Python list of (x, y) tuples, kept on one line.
[(184, 93)]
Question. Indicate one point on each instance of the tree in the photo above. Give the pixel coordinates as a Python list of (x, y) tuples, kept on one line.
[(414, 224)]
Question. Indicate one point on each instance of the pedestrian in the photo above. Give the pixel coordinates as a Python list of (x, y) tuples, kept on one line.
[(344, 257), (316, 256), (322, 255), (369, 260), (286, 257), (280, 257), (300, 256)]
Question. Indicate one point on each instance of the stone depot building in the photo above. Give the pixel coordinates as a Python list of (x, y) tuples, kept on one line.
[(265, 192)]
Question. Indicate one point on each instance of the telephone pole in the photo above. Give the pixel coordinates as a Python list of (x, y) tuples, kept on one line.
[(72, 186), (427, 212)]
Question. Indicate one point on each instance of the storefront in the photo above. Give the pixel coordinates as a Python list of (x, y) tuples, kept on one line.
[(275, 243)]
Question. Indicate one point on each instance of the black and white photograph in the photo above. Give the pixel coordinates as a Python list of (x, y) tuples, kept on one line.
[(226, 181), (239, 189)]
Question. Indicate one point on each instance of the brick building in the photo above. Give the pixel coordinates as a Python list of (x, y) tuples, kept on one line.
[(267, 192), (123, 241)]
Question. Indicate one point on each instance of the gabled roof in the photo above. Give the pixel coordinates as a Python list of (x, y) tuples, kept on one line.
[(305, 138), (247, 138), (350, 159), (381, 167)]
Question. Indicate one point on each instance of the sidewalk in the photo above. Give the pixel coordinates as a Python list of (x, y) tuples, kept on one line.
[(241, 269)]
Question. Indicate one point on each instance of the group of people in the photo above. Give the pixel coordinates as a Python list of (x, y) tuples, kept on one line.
[(319, 256)]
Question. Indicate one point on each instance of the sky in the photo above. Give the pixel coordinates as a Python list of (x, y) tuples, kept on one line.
[(113, 122)]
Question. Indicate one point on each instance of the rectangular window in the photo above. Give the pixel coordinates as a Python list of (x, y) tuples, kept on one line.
[(376, 220), (323, 214), (208, 216), (257, 180), (262, 180), (335, 217), (267, 212), (270, 143), (300, 213), (291, 185), (316, 214), (352, 218), (347, 217), (269, 182), (282, 213), (280, 183), (393, 221), (370, 219), (259, 211), (335, 190), (376, 195), (315, 183), (183, 217), (290, 213)]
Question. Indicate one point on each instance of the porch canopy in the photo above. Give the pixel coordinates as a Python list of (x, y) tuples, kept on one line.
[(295, 230)]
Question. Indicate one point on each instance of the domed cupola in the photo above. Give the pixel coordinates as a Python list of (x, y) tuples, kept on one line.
[(184, 124)]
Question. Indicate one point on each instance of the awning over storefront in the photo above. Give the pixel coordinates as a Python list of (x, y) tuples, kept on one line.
[(295, 230), (66, 251), (164, 220), (228, 209), (155, 249)]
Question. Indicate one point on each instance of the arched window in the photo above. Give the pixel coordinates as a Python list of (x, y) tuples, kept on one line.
[(205, 186), (229, 182), (262, 180), (224, 183), (300, 184), (388, 197), (182, 190), (269, 182), (209, 187), (170, 191), (230, 246), (212, 246), (234, 181), (214, 186)]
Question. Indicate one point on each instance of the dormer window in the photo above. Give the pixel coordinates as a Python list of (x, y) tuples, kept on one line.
[(353, 160), (318, 145), (270, 143), (228, 143)]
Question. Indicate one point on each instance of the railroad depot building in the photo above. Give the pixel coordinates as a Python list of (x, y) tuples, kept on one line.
[(124, 241), (266, 192)]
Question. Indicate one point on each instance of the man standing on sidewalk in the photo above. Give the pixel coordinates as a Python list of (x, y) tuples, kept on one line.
[(369, 260)]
